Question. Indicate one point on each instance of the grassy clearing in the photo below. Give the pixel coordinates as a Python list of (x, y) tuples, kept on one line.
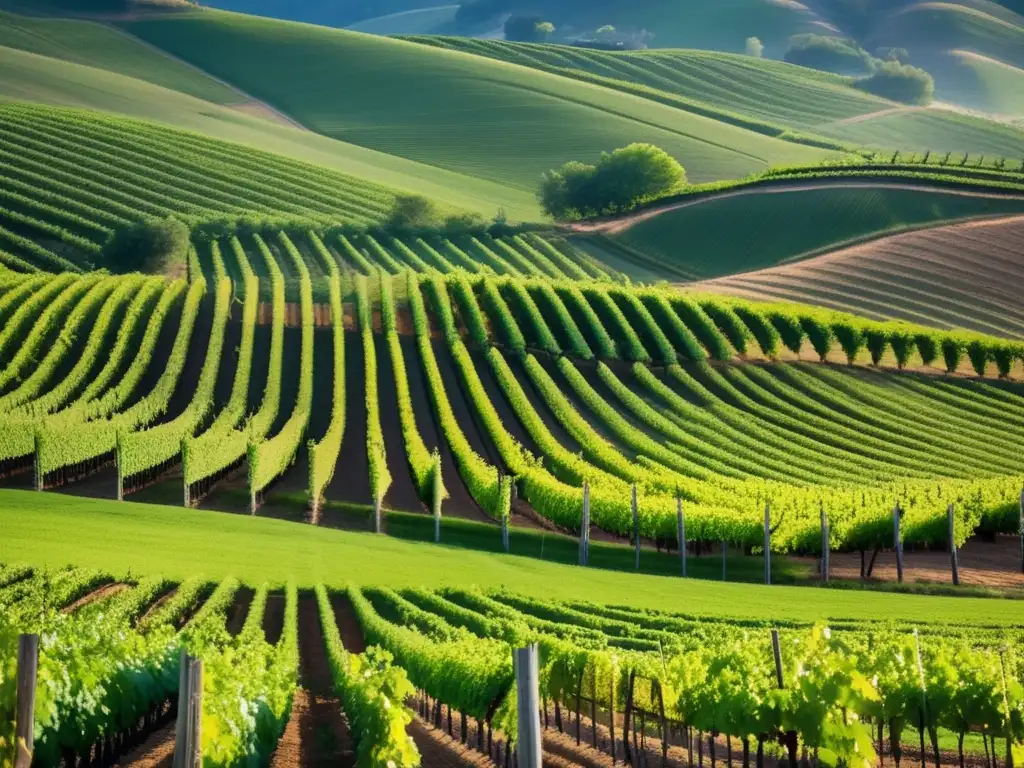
[(31, 77), (183, 543), (481, 118), (104, 47), (700, 240)]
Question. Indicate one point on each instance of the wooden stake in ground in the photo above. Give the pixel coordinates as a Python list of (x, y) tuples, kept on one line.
[(953, 560), (527, 706), (767, 543), (1020, 529), (681, 532), (636, 526), (826, 545), (777, 651), (188, 751), (437, 497), (24, 720), (584, 554), (897, 542)]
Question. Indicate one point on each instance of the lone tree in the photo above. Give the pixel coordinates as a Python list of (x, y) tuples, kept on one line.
[(528, 29), (754, 47), (619, 182)]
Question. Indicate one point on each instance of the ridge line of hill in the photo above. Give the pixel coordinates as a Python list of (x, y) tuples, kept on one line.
[(617, 224)]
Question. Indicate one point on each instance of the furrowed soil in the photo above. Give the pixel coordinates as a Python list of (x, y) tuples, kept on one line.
[(402, 492), (351, 481), (317, 733), (273, 618)]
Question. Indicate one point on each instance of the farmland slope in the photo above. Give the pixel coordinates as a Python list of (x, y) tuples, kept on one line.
[(488, 119)]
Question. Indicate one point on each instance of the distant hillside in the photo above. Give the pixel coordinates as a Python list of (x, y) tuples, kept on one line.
[(478, 117), (334, 13)]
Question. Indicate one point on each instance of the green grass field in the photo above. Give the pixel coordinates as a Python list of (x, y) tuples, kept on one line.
[(179, 543), (31, 77), (481, 118), (700, 240), (105, 47), (982, 83)]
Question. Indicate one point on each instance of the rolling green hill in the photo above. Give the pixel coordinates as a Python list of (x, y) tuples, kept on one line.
[(776, 93), (937, 130), (761, 88), (30, 77), (420, 21), (105, 47), (700, 239), (979, 82), (489, 119)]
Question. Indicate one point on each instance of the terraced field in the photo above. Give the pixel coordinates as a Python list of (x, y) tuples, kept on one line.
[(965, 275), (412, 101)]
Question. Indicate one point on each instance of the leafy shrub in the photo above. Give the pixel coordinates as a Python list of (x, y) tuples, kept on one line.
[(979, 353), (413, 212), (831, 54), (790, 330), (952, 352), (927, 347), (764, 332), (156, 246), (877, 340), (620, 181), (850, 338), (1003, 355), (820, 335), (730, 324), (899, 82), (902, 346), (754, 47)]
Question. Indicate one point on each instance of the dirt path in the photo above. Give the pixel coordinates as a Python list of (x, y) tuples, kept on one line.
[(871, 116), (157, 751), (981, 563), (247, 104), (317, 733), (102, 593), (620, 224)]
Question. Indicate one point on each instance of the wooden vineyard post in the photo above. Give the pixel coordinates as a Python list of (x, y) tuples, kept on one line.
[(897, 513), (681, 529), (1020, 528), (528, 739), (188, 751), (435, 501), (826, 545), (777, 652), (636, 526), (611, 713), (953, 560), (584, 555), (24, 722), (767, 543), (37, 474)]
